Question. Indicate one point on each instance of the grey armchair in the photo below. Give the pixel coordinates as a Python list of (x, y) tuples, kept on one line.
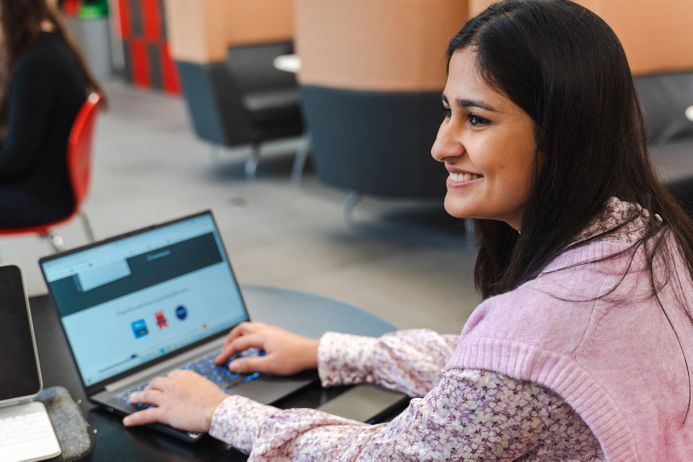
[(224, 51), (371, 89), (667, 103)]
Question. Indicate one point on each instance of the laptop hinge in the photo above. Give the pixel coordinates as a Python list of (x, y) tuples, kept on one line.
[(169, 364)]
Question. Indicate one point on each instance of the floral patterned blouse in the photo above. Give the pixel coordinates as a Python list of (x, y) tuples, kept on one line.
[(456, 414), (469, 415)]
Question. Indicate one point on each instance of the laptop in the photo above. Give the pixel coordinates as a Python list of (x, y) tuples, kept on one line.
[(26, 432), (144, 303)]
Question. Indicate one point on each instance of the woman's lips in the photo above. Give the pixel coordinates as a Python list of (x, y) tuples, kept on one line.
[(462, 179)]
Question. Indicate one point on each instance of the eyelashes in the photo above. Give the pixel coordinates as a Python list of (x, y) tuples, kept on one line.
[(476, 121), (473, 119)]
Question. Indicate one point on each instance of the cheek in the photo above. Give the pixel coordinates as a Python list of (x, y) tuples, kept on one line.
[(507, 168), (514, 149), (518, 186), (489, 156), (514, 179), (524, 166)]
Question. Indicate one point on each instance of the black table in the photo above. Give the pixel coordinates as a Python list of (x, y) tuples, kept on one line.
[(305, 314)]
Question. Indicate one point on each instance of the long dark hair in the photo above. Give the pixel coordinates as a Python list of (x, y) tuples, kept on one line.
[(565, 67), (21, 27)]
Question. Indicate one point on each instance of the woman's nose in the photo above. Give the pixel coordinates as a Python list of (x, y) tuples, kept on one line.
[(446, 144)]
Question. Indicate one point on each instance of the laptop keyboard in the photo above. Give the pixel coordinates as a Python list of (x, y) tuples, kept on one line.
[(206, 367)]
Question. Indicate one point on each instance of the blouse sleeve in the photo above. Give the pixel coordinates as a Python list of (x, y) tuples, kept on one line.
[(409, 361), (469, 415)]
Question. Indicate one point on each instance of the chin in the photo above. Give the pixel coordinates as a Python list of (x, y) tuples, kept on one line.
[(459, 210), (467, 204)]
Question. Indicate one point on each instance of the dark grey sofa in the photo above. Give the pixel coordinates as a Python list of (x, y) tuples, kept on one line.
[(243, 100), (667, 103), (375, 142)]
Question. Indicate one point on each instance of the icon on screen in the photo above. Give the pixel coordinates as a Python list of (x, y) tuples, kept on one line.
[(161, 320), (139, 328), (181, 312)]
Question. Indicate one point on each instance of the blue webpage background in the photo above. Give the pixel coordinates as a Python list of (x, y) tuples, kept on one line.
[(191, 295)]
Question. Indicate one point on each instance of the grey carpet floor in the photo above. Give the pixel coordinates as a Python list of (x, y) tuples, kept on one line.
[(403, 260)]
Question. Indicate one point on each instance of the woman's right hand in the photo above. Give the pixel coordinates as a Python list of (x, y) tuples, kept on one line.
[(285, 353)]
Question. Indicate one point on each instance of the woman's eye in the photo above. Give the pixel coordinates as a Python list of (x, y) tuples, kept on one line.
[(475, 120), (446, 112)]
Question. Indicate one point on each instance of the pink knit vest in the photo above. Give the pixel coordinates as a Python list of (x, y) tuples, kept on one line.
[(615, 360)]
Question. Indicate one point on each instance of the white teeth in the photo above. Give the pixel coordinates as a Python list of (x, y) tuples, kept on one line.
[(462, 177)]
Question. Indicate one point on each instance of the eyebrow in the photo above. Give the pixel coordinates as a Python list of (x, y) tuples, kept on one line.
[(467, 103)]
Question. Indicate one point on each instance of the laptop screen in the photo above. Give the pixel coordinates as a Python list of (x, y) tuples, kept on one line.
[(133, 299)]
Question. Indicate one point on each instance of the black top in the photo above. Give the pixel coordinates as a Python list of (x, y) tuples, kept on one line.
[(46, 91)]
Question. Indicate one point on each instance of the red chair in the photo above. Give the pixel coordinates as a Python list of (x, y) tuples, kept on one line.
[(79, 168)]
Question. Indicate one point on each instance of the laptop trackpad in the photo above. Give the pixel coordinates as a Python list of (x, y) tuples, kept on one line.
[(269, 389)]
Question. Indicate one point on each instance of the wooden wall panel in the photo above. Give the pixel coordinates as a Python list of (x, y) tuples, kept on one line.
[(657, 35), (196, 30), (395, 45), (257, 21), (201, 30), (477, 6)]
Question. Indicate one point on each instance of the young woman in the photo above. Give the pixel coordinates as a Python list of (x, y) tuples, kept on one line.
[(582, 347), (44, 83)]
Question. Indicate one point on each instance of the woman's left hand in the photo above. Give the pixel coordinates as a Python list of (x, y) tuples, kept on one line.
[(183, 400)]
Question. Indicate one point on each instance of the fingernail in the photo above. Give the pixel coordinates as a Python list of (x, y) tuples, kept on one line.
[(126, 421)]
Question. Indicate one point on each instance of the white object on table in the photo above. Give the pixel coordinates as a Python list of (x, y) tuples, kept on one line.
[(288, 63), (26, 433)]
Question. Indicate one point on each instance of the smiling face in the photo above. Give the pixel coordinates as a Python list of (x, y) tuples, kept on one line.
[(487, 144)]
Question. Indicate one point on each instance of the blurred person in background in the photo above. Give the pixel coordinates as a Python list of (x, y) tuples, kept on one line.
[(43, 83)]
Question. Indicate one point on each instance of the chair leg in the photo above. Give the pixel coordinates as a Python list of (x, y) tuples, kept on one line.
[(87, 226), (300, 162), (348, 207), (252, 163), (55, 240)]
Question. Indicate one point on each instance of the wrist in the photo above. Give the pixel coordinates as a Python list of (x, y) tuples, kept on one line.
[(312, 354), (212, 408)]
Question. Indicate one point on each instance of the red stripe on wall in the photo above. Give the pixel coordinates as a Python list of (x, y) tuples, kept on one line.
[(71, 7), (171, 80), (150, 18), (140, 63), (124, 16)]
